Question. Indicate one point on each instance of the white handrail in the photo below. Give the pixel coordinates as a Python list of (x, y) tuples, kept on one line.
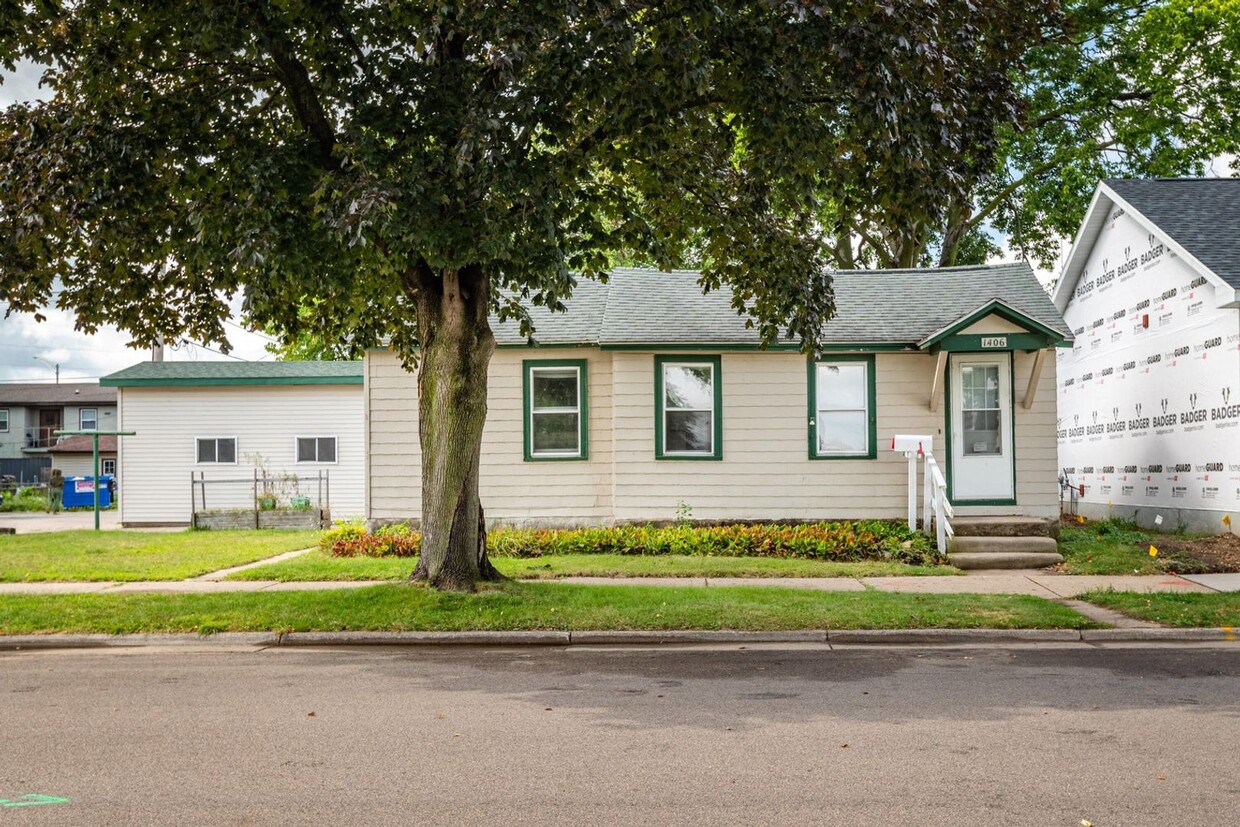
[(936, 502)]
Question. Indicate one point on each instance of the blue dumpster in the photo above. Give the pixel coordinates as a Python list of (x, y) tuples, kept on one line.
[(80, 492)]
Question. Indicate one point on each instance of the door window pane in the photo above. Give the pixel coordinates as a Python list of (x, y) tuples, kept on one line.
[(980, 415)]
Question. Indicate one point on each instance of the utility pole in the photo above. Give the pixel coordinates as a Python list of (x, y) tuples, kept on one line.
[(54, 365)]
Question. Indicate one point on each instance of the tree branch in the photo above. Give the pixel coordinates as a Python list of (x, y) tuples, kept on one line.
[(295, 78)]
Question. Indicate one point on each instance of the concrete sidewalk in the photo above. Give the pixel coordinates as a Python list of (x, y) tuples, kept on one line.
[(1036, 583)]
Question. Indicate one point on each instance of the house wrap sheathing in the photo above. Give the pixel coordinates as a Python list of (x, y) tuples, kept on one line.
[(1149, 394), (664, 405)]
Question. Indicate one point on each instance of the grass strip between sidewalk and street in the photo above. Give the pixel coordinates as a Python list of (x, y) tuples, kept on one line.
[(534, 606), (135, 555), (1193, 611), (319, 565)]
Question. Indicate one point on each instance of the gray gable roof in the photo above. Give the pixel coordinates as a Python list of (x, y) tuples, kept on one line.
[(145, 374), (889, 307), (1201, 214), (65, 393)]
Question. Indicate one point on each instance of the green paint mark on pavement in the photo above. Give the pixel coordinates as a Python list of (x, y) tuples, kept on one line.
[(33, 800)]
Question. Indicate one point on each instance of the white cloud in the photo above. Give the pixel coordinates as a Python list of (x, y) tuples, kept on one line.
[(82, 357)]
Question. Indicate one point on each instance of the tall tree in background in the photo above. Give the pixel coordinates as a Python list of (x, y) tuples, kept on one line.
[(394, 172), (1117, 88)]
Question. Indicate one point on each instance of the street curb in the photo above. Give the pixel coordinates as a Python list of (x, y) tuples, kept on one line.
[(100, 641), (533, 638), (844, 637), (1157, 633), (932, 636), (695, 636)]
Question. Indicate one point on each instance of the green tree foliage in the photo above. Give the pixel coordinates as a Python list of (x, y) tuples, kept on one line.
[(1131, 88), (397, 171)]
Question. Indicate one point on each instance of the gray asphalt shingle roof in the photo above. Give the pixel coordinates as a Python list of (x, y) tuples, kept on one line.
[(640, 307), (66, 393), (1201, 214), (236, 373)]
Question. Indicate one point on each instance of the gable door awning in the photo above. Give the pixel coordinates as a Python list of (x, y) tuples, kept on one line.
[(1010, 330)]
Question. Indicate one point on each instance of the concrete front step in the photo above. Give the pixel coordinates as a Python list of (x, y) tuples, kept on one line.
[(1002, 552), (1046, 545), (1004, 526), (1003, 559)]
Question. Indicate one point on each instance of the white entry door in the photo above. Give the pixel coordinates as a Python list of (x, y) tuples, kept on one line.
[(981, 423)]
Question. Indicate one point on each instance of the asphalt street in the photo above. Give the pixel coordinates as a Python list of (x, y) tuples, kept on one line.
[(998, 735)]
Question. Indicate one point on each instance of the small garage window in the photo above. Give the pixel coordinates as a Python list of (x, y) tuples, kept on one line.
[(217, 449), (316, 449)]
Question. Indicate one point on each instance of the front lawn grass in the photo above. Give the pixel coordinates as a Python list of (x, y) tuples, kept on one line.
[(135, 555), (1107, 547), (319, 565), (518, 606), (1174, 609)]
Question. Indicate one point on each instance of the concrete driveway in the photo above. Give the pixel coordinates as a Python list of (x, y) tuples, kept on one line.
[(33, 523)]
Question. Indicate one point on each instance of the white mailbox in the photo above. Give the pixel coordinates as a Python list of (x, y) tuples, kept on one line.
[(912, 443)]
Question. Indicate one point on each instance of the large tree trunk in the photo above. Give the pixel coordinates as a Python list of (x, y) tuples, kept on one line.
[(457, 344)]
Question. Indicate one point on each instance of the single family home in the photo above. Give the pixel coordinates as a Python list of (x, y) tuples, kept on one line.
[(1149, 393), (649, 401), (223, 436)]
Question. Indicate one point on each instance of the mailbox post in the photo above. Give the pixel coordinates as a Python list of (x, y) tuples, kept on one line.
[(913, 446)]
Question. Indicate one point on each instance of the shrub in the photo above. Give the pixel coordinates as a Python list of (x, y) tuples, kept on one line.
[(864, 540), (25, 499)]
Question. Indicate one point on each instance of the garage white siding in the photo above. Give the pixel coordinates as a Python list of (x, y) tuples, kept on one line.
[(156, 463)]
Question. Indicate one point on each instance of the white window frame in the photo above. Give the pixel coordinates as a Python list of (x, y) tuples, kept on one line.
[(216, 439), (575, 453), (104, 465), (316, 461), (867, 382), (714, 364), (82, 419), (5, 412)]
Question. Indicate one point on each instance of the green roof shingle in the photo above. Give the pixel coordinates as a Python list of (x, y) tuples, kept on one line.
[(147, 374)]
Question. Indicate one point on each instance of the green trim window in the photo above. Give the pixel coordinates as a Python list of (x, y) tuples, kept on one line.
[(556, 411), (217, 450), (842, 419), (688, 395)]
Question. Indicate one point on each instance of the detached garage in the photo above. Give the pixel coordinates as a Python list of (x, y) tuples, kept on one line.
[(227, 435)]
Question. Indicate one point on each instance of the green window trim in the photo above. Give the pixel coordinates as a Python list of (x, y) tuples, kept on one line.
[(871, 403), (715, 363), (528, 367)]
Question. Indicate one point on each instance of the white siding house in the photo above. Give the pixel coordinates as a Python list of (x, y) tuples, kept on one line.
[(225, 421), (647, 401), (1149, 395)]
